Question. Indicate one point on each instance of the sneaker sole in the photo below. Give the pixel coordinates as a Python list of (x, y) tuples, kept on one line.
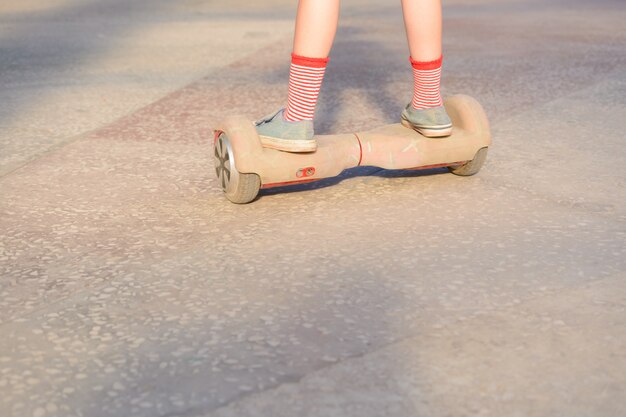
[(288, 145), (429, 132)]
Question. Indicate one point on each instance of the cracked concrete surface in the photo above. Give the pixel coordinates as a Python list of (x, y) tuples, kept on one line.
[(130, 286)]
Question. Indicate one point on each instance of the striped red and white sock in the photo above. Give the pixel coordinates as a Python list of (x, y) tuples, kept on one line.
[(305, 81), (426, 84)]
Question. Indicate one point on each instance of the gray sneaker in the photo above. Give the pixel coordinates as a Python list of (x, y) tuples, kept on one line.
[(432, 123), (277, 133)]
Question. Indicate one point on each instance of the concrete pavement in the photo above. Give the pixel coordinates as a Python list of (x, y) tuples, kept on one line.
[(130, 286)]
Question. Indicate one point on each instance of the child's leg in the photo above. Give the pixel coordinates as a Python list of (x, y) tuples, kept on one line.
[(316, 25), (422, 20), (425, 113), (291, 129)]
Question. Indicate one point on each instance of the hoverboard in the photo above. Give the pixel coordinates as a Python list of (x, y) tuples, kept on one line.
[(244, 167)]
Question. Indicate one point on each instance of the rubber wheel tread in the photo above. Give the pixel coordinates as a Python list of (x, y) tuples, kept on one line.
[(248, 189), (471, 167)]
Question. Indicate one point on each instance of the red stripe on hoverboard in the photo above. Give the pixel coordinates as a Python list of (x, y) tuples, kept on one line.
[(360, 149), (280, 184), (453, 164), (216, 135)]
